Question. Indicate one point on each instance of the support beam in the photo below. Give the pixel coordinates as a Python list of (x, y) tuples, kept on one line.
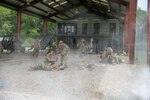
[(121, 2), (64, 10), (118, 13), (132, 19), (45, 25), (61, 6), (30, 4), (148, 35), (93, 10), (71, 4), (54, 10), (18, 24), (77, 15)]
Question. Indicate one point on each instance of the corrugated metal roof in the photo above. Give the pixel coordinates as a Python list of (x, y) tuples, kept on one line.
[(66, 9)]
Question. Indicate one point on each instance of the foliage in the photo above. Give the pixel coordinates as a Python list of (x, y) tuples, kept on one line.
[(7, 21), (141, 17), (31, 27)]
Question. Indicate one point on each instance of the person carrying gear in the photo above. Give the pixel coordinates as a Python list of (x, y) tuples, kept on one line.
[(36, 48), (63, 52), (82, 47)]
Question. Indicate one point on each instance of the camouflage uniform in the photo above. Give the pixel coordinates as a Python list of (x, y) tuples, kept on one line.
[(48, 67), (109, 51), (50, 64), (51, 57), (1, 48), (36, 48), (64, 51), (107, 55), (82, 47)]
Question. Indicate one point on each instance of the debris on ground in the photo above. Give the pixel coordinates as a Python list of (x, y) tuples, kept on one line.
[(48, 67)]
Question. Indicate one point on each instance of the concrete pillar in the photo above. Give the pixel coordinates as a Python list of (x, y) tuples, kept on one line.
[(18, 24), (132, 21)]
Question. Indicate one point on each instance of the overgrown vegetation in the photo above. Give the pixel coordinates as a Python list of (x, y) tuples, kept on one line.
[(31, 27)]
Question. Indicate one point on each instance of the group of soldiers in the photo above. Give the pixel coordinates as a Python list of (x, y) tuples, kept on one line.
[(55, 59)]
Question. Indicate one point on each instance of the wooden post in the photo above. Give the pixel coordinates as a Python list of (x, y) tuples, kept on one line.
[(132, 21), (45, 25), (18, 24)]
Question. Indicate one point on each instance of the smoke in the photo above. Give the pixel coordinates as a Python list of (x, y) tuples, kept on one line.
[(126, 82), (104, 81), (141, 86)]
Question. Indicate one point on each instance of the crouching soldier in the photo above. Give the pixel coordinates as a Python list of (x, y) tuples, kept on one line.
[(51, 57)]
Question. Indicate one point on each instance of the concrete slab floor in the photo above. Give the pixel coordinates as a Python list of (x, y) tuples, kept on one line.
[(84, 79)]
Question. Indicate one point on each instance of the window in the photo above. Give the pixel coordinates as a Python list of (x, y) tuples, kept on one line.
[(68, 28), (84, 28), (96, 28), (112, 28), (60, 28)]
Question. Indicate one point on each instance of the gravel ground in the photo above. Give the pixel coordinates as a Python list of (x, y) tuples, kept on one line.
[(84, 79)]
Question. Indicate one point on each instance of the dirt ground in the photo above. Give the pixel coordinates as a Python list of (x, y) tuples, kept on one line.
[(84, 79)]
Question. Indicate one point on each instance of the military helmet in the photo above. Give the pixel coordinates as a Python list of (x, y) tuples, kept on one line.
[(60, 42)]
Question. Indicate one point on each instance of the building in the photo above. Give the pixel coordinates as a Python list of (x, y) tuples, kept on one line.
[(98, 32)]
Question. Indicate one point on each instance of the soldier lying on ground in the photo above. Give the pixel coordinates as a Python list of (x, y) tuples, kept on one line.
[(48, 67), (51, 63)]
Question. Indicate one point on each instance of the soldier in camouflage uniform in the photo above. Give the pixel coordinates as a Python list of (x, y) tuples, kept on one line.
[(36, 48), (51, 57), (82, 47), (50, 64), (1, 48), (107, 55), (64, 51)]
